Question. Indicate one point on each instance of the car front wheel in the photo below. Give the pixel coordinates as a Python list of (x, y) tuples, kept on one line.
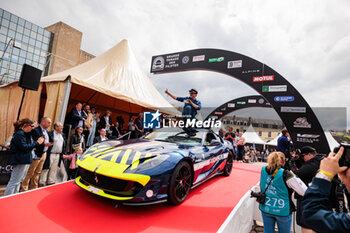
[(180, 183), (228, 166)]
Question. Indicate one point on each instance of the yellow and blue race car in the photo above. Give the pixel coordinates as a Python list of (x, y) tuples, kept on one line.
[(163, 166)]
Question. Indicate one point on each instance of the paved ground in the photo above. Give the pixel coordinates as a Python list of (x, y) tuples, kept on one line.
[(256, 228)]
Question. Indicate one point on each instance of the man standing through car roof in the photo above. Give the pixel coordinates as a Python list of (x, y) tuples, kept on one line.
[(191, 106)]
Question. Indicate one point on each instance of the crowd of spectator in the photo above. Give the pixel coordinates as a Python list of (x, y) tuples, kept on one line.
[(242, 151), (321, 189), (39, 154)]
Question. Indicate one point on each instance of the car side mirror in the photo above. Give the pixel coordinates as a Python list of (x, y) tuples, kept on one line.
[(215, 143)]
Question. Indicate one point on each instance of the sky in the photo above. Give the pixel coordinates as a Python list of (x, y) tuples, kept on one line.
[(307, 42)]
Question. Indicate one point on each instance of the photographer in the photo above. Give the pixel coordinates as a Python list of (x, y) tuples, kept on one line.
[(311, 163), (277, 185), (315, 212)]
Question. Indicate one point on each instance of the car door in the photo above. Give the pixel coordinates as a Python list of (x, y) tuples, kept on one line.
[(207, 159)]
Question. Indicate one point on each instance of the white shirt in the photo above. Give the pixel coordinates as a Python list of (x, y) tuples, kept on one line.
[(103, 138), (107, 122), (57, 143), (131, 126), (80, 123), (46, 138)]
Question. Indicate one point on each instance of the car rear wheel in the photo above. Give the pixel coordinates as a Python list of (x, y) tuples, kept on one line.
[(180, 183), (228, 166)]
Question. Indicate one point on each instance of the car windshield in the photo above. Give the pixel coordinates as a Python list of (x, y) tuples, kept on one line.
[(177, 135)]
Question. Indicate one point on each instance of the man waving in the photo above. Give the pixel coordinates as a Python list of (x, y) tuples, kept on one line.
[(191, 106)]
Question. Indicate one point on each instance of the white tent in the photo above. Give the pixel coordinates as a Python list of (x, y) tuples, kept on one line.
[(112, 81), (331, 141), (273, 142), (250, 136), (118, 74)]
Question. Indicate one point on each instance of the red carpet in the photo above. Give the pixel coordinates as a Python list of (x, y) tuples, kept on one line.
[(67, 208)]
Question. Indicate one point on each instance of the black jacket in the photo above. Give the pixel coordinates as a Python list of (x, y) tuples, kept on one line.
[(51, 139), (76, 140), (115, 132), (74, 117), (103, 122), (308, 170), (36, 134), (21, 146), (97, 139), (316, 214)]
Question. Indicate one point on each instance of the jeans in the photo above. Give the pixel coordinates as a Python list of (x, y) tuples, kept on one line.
[(284, 224), (18, 173)]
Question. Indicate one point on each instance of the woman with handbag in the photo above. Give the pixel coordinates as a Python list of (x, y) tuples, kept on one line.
[(77, 139), (277, 185)]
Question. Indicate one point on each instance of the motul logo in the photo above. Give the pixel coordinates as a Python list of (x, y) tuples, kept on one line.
[(263, 78)]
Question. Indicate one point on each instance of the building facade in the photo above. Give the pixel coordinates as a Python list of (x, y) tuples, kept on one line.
[(267, 129), (51, 49), (21, 42)]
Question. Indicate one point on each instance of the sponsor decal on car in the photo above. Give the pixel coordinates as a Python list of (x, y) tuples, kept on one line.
[(231, 105), (158, 64), (283, 98), (252, 101), (185, 59), (275, 88), (216, 59), (241, 102), (234, 64), (263, 78), (198, 58), (301, 122), (294, 109), (218, 113)]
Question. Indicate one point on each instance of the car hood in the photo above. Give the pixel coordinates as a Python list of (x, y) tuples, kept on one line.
[(130, 152)]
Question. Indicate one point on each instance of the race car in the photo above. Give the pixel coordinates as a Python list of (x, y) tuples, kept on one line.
[(161, 167)]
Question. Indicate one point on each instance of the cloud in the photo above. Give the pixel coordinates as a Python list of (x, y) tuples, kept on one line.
[(307, 42)]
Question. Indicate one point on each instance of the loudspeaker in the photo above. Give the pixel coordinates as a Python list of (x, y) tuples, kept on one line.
[(30, 77)]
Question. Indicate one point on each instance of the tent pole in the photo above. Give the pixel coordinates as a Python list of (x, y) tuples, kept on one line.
[(65, 100)]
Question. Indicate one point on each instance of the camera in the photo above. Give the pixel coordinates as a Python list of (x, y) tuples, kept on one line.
[(345, 158), (260, 197)]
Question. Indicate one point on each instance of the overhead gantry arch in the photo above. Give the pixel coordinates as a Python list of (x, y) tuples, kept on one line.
[(292, 108)]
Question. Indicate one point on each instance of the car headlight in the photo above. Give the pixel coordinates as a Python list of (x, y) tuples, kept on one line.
[(152, 163)]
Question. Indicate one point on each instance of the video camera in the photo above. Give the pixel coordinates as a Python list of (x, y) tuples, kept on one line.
[(345, 158)]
